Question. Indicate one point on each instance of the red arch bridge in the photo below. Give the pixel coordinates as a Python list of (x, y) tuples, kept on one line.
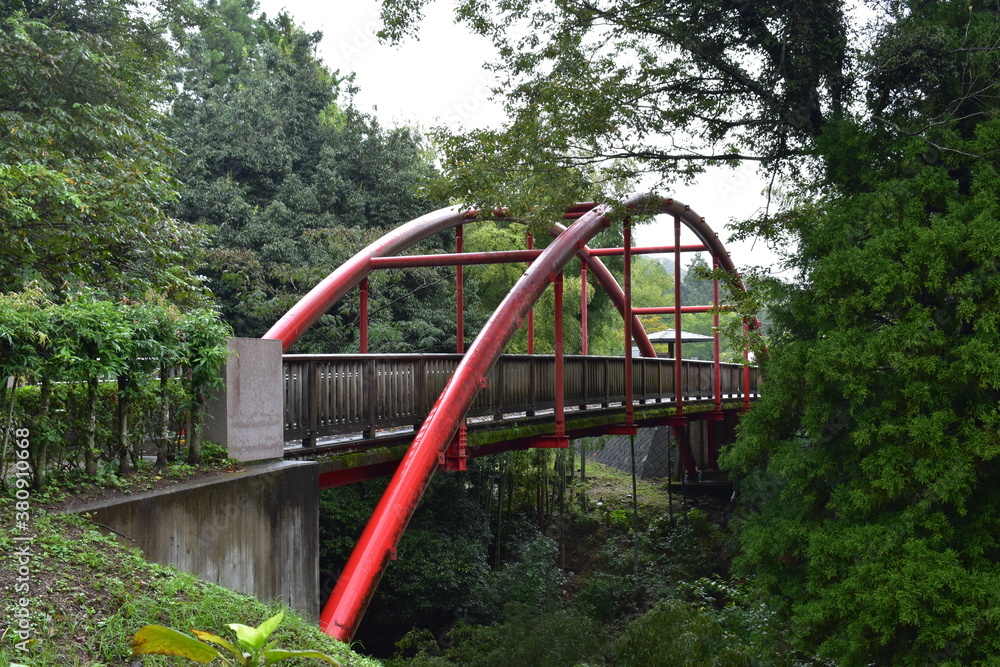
[(410, 415)]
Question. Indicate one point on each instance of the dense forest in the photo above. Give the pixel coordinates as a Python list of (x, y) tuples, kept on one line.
[(176, 172)]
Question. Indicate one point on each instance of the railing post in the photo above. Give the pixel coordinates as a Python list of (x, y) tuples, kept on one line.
[(421, 383), (607, 382), (371, 394), (311, 403), (501, 389), (532, 383)]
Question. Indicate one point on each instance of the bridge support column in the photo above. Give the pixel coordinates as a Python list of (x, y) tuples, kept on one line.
[(247, 415), (684, 448)]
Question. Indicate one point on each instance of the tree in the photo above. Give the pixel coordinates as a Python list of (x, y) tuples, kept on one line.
[(696, 287), (665, 88), (84, 175), (872, 456), (300, 187)]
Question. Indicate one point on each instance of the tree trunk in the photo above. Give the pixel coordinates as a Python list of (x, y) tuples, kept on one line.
[(124, 446), (90, 428), (40, 442), (163, 441), (195, 434)]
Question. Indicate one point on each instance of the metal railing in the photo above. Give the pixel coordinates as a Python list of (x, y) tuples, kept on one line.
[(331, 395)]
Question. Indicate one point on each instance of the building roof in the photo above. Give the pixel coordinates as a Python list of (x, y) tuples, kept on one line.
[(667, 336)]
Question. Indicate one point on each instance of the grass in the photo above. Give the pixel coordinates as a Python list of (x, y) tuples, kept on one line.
[(87, 595)]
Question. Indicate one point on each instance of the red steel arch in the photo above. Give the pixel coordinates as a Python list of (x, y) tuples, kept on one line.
[(349, 275), (343, 611)]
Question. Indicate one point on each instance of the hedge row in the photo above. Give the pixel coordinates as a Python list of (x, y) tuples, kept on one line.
[(100, 379)]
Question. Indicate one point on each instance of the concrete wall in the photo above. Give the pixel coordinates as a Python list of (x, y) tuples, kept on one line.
[(247, 417), (651, 452), (254, 531)]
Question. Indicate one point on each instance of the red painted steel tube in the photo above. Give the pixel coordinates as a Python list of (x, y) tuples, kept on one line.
[(506, 257), (627, 279), (645, 250), (531, 313), (670, 310), (716, 348), (584, 334), (363, 316), (459, 296), (678, 309), (319, 300), (342, 613), (560, 388), (455, 259), (746, 368)]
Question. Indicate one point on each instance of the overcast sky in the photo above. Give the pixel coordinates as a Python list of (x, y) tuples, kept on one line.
[(439, 79)]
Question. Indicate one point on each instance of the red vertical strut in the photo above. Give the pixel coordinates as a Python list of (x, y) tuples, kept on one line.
[(459, 296), (717, 364), (583, 308), (629, 398), (746, 368), (560, 412), (678, 368), (531, 313), (363, 315)]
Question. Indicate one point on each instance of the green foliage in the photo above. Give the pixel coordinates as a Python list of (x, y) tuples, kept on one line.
[(696, 287), (71, 349), (872, 456), (553, 639), (675, 633), (637, 88), (84, 175), (302, 185), (250, 650), (441, 565), (532, 581)]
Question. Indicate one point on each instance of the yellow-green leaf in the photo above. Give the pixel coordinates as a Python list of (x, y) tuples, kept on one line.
[(217, 640), (158, 640)]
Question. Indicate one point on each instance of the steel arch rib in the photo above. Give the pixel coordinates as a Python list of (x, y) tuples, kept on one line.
[(342, 613), (331, 289), (320, 298)]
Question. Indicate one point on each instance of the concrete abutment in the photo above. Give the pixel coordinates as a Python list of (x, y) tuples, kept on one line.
[(255, 531)]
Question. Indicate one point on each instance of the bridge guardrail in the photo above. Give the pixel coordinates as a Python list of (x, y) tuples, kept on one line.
[(343, 394)]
